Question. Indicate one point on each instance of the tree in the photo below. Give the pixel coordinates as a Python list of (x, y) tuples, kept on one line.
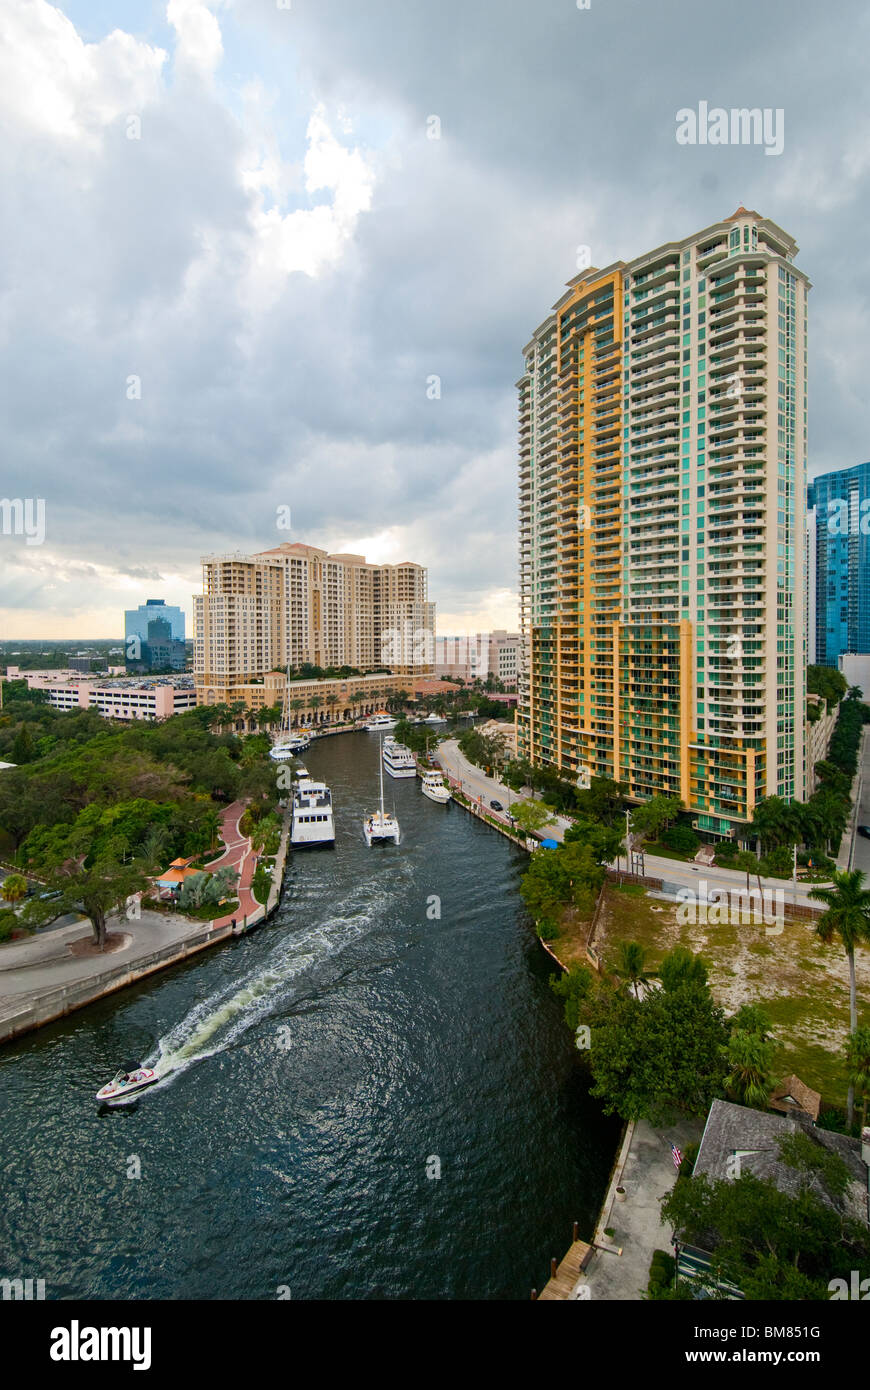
[(97, 892), (847, 916), (680, 968), (22, 748), (606, 842), (629, 967), (531, 816), (750, 1067), (603, 800), (745, 859), (661, 1055), (332, 701), (858, 1065), (296, 704), (14, 888), (655, 815), (773, 1245)]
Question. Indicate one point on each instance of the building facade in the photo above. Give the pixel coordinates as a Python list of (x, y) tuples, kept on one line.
[(662, 467), (842, 532), (295, 604), (126, 699), (154, 637), (475, 656)]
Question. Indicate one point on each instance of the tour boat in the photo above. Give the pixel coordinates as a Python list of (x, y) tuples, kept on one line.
[(399, 760), (435, 788), (312, 820), (380, 721), (379, 825), (124, 1083)]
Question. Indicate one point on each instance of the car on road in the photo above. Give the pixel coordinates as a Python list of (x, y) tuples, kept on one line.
[(496, 805), (865, 831)]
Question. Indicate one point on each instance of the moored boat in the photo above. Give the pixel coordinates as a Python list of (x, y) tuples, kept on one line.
[(399, 760), (435, 788)]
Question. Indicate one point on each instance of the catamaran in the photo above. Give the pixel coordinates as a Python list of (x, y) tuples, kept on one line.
[(399, 760), (379, 825), (435, 788)]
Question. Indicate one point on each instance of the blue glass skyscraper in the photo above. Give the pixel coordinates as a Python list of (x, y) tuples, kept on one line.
[(154, 636), (842, 562)]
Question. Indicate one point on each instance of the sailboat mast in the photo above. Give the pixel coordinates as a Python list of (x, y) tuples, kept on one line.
[(381, 764)]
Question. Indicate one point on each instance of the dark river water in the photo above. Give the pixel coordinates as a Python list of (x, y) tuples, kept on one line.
[(319, 1070)]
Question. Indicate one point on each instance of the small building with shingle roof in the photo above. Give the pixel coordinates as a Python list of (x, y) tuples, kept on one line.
[(793, 1097)]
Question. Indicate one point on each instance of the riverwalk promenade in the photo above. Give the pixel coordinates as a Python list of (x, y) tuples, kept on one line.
[(43, 977)]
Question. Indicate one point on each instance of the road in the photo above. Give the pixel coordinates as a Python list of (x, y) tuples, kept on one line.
[(474, 783), (861, 847)]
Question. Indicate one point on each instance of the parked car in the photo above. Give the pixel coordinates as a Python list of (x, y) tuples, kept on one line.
[(496, 805), (865, 831)]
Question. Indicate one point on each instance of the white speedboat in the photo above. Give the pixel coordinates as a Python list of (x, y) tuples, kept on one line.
[(399, 760), (435, 788), (124, 1083), (434, 719), (379, 825), (312, 821), (379, 722)]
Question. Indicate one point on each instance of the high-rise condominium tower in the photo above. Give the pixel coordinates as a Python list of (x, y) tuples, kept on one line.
[(662, 524), (296, 603)]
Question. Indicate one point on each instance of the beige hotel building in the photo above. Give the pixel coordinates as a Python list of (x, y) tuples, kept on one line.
[(259, 613)]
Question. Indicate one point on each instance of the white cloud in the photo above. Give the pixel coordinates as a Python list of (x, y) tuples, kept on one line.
[(199, 47), (52, 83), (311, 239)]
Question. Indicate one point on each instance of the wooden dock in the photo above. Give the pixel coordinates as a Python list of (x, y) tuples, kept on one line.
[(565, 1276)]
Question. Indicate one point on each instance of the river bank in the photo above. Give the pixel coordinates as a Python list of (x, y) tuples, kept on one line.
[(42, 979)]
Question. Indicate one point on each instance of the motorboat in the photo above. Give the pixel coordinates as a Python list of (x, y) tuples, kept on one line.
[(434, 719), (399, 760), (312, 822), (124, 1083), (435, 788), (379, 825), (379, 722)]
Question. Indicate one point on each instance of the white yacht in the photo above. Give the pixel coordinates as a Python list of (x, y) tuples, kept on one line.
[(312, 822), (399, 760), (379, 722), (435, 787), (379, 825), (434, 719)]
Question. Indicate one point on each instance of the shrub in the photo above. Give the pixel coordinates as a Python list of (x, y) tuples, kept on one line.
[(547, 929), (682, 839), (661, 1273)]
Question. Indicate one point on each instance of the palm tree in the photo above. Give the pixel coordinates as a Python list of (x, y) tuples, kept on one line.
[(847, 916), (750, 1060), (858, 1062), (314, 704), (210, 824), (296, 705), (629, 967), (14, 888), (332, 701)]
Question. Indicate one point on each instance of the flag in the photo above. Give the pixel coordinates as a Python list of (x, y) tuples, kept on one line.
[(677, 1156)]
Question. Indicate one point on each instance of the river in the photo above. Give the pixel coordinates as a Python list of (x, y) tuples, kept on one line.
[(320, 1075)]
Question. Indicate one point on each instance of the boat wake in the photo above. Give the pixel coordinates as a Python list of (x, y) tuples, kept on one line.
[(217, 1023)]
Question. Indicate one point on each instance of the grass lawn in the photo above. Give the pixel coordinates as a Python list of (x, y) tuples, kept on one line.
[(803, 984), (570, 944)]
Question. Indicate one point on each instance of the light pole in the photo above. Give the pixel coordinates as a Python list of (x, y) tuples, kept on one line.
[(627, 841)]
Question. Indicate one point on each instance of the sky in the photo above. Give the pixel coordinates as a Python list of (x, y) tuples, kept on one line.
[(269, 254)]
